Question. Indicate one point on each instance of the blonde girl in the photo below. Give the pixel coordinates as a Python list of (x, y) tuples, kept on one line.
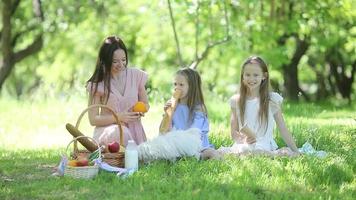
[(255, 111), (191, 111)]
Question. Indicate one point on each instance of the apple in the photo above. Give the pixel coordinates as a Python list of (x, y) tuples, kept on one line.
[(114, 147), (82, 162)]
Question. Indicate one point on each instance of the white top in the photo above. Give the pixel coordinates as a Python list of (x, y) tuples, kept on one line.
[(264, 136)]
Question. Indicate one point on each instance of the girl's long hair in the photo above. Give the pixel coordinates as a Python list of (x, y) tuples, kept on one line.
[(195, 94), (102, 72), (263, 93)]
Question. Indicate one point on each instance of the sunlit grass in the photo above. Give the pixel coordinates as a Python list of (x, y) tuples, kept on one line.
[(32, 136)]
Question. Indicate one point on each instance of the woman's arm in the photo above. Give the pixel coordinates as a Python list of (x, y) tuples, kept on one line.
[(98, 119), (142, 96), (95, 118), (286, 135)]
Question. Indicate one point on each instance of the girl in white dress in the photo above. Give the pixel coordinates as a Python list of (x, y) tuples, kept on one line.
[(254, 112)]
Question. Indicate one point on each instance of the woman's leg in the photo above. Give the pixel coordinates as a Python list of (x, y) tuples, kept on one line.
[(108, 134)]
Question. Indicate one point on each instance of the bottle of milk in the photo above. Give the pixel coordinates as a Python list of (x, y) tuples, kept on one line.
[(131, 155)]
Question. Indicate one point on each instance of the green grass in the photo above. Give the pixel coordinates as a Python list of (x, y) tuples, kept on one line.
[(32, 136)]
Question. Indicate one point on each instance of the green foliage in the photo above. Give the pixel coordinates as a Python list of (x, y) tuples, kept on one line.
[(75, 29)]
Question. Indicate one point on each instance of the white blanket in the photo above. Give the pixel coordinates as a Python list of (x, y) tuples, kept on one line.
[(171, 146), (239, 149)]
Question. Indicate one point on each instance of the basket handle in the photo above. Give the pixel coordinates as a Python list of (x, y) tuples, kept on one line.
[(83, 136), (121, 132)]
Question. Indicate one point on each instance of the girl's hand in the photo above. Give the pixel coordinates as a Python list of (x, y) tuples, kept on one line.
[(250, 140), (239, 138), (245, 139), (250, 136), (167, 105), (128, 116)]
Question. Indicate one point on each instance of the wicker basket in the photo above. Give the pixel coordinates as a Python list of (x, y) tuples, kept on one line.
[(114, 159), (85, 172)]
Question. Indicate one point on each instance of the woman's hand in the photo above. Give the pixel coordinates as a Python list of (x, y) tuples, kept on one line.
[(128, 116)]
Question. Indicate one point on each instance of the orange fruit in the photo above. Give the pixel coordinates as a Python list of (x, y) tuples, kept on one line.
[(140, 107), (72, 163)]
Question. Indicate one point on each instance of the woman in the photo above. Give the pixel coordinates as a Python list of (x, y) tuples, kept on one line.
[(116, 85)]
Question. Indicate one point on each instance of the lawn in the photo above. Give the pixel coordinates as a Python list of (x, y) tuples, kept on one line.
[(32, 136)]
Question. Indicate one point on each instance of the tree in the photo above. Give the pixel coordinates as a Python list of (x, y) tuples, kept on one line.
[(339, 62), (210, 44), (291, 23), (290, 69), (10, 35)]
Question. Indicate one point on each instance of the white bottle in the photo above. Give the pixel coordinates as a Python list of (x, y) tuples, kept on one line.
[(131, 155)]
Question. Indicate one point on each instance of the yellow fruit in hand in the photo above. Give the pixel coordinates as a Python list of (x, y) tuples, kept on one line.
[(140, 107)]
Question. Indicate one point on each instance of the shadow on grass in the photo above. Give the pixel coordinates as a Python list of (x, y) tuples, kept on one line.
[(28, 174)]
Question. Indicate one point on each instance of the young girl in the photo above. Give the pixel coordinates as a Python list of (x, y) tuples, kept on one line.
[(119, 87), (191, 111), (255, 111)]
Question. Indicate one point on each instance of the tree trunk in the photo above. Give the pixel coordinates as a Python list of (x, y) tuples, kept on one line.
[(331, 84), (7, 50), (338, 71), (10, 58), (321, 92), (290, 70)]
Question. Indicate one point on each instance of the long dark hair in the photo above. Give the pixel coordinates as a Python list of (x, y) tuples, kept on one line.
[(264, 90), (195, 94), (102, 70)]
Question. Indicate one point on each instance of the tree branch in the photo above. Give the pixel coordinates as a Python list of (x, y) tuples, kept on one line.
[(30, 49), (290, 13), (282, 40), (205, 53), (301, 48), (14, 6), (37, 43), (175, 33), (20, 33), (197, 30), (272, 11), (353, 72), (11, 13), (5, 42), (194, 64), (37, 9)]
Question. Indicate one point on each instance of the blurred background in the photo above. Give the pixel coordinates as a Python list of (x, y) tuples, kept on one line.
[(49, 48)]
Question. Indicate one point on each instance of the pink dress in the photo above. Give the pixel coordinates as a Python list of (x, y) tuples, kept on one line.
[(135, 82)]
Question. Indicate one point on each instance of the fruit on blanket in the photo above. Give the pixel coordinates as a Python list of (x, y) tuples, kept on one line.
[(113, 147), (82, 162), (140, 107), (72, 163)]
